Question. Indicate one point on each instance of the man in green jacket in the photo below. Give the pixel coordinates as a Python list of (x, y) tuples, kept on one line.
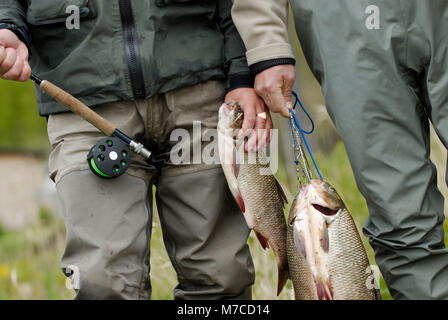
[(151, 68), (383, 67)]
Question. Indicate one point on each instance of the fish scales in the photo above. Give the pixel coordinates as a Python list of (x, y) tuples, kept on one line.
[(326, 256)]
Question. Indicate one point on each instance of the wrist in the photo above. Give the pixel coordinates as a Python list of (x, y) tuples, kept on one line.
[(263, 65), (20, 33), (239, 80)]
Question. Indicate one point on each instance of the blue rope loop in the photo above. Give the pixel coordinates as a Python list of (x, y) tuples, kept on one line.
[(301, 131)]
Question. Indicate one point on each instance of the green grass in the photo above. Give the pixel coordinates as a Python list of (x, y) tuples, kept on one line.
[(33, 254), (29, 261), (21, 127)]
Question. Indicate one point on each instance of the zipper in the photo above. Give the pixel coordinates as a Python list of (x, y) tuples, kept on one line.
[(132, 49)]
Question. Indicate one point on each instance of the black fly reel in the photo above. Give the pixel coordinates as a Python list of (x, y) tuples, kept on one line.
[(109, 158)]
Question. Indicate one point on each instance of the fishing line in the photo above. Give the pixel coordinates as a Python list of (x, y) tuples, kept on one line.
[(295, 121)]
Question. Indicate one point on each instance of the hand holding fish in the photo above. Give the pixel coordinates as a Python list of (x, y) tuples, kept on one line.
[(257, 123)]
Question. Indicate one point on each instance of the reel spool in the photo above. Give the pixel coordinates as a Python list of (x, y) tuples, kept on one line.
[(109, 158)]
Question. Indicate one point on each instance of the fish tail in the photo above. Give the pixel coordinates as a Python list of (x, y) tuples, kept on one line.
[(283, 275)]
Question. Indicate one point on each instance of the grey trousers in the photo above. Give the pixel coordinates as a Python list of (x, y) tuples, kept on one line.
[(383, 67), (108, 222)]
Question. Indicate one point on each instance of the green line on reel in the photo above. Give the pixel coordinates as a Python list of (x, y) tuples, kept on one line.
[(92, 162)]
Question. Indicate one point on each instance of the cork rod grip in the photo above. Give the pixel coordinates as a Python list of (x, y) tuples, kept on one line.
[(78, 107)]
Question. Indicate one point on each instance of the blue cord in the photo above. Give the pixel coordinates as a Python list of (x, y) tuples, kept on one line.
[(301, 131)]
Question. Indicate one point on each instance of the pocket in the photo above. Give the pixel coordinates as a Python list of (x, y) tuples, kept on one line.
[(44, 12)]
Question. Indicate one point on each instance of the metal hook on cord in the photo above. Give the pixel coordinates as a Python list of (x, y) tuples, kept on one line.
[(304, 171)]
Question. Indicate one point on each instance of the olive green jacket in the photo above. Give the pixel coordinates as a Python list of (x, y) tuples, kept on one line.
[(127, 50)]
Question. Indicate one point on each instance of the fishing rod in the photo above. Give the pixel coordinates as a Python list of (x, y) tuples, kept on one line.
[(110, 157)]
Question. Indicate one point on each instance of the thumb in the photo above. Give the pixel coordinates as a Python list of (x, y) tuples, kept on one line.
[(278, 103), (287, 91)]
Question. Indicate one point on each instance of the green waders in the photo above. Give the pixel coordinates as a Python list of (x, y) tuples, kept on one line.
[(109, 222), (383, 67)]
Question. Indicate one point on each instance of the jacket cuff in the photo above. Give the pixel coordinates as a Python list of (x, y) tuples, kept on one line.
[(268, 52), (20, 32), (263, 65), (239, 80)]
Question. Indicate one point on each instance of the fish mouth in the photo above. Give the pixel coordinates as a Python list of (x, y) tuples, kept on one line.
[(325, 210)]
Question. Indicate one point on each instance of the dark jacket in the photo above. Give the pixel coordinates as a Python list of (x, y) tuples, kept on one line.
[(128, 49)]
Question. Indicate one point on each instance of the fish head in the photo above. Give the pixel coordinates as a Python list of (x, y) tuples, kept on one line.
[(231, 116), (314, 209), (324, 198)]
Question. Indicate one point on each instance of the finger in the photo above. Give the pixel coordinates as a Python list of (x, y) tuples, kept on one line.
[(9, 61), (2, 54), (269, 127), (22, 51), (260, 125), (15, 72), (26, 73), (248, 122)]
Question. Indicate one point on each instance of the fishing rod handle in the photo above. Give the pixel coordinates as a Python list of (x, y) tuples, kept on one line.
[(78, 107)]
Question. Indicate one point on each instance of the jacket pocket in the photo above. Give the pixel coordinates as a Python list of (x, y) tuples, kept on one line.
[(43, 12)]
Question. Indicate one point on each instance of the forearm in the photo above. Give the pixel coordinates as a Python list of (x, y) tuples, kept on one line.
[(263, 26)]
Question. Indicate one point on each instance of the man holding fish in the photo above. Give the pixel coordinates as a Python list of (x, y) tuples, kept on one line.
[(383, 70)]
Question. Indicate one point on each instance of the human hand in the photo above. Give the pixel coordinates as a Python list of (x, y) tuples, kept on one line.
[(13, 57), (274, 86), (257, 123)]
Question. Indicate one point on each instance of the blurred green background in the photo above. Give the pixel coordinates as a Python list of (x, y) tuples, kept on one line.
[(32, 233)]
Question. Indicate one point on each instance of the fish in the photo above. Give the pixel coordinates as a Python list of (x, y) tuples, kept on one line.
[(255, 189), (326, 256)]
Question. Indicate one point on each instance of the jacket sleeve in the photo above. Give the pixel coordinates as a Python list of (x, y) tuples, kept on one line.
[(263, 26), (237, 69), (13, 17)]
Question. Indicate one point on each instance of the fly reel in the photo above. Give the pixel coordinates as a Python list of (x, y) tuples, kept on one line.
[(109, 158)]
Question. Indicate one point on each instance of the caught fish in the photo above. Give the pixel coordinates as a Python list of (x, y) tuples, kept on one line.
[(327, 260), (255, 189)]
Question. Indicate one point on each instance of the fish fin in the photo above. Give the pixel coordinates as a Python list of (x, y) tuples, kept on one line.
[(324, 290), (239, 200), (263, 241), (299, 242), (281, 193), (283, 276), (325, 240), (235, 163), (235, 188)]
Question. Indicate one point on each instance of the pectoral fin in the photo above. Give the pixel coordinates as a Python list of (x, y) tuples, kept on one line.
[(263, 241), (281, 193), (299, 242)]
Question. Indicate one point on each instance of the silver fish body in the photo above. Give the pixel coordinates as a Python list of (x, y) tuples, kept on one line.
[(255, 189), (327, 259)]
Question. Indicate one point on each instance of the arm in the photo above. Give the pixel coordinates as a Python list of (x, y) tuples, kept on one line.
[(263, 25), (240, 82), (14, 41)]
